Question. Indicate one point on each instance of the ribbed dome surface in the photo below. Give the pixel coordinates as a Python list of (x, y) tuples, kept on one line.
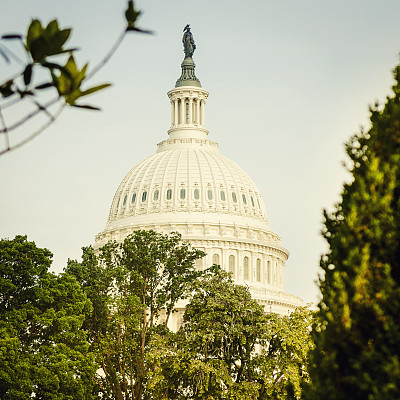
[(191, 179)]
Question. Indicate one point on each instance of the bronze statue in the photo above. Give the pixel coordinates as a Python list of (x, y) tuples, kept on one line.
[(188, 42)]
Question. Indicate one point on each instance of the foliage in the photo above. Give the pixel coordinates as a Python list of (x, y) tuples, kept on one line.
[(134, 287), (43, 352), (43, 47), (357, 337), (229, 348)]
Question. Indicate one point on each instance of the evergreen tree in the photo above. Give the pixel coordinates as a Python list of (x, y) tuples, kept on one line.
[(357, 334)]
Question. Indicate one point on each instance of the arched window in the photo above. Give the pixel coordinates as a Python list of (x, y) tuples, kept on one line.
[(244, 199), (169, 194), (234, 197), (125, 198), (232, 265), (183, 194), (155, 195), (133, 198), (196, 194), (119, 198), (215, 259), (252, 201), (144, 196), (209, 194), (246, 272), (258, 270), (222, 193), (269, 274)]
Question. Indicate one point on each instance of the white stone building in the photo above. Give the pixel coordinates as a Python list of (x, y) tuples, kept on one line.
[(188, 186)]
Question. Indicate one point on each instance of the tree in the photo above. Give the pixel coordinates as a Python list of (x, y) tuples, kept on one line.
[(43, 352), (229, 348), (134, 287), (357, 334), (43, 48)]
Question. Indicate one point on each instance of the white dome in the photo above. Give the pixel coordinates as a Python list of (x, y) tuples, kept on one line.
[(190, 188), (195, 180)]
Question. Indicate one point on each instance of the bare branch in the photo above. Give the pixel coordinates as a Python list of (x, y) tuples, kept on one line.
[(3, 122), (108, 56), (36, 133), (31, 115)]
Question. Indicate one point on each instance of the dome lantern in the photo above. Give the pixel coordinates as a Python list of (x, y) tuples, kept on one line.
[(188, 98)]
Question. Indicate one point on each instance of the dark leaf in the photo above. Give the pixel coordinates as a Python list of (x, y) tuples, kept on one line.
[(86, 106), (62, 68), (95, 89), (51, 65), (45, 85), (52, 28), (6, 89), (12, 36), (131, 14), (38, 49), (130, 28), (34, 31), (61, 37), (28, 74)]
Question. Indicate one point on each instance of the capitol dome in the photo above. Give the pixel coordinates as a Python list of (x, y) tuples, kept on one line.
[(189, 187)]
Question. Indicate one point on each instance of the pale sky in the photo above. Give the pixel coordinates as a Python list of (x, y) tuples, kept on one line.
[(289, 83)]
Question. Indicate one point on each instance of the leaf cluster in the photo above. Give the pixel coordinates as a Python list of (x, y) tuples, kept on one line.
[(47, 54), (42, 44)]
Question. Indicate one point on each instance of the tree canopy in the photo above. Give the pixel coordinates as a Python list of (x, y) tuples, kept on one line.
[(357, 334), (134, 287), (43, 350), (229, 348), (100, 330)]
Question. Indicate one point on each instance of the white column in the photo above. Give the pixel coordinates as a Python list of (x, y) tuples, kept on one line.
[(183, 111), (172, 113), (176, 121), (203, 103), (198, 111), (190, 110)]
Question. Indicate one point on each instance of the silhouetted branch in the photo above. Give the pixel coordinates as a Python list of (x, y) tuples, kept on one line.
[(36, 133)]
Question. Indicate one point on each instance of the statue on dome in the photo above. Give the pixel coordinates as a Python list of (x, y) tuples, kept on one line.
[(188, 42)]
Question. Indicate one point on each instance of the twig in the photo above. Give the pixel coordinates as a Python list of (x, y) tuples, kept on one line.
[(30, 115), (41, 108), (108, 55), (12, 54), (36, 133), (3, 122), (11, 102)]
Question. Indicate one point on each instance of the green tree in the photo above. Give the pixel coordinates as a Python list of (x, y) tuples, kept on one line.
[(134, 287), (229, 348), (43, 352), (357, 334)]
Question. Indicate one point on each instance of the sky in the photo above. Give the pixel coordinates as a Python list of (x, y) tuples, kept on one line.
[(290, 81)]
